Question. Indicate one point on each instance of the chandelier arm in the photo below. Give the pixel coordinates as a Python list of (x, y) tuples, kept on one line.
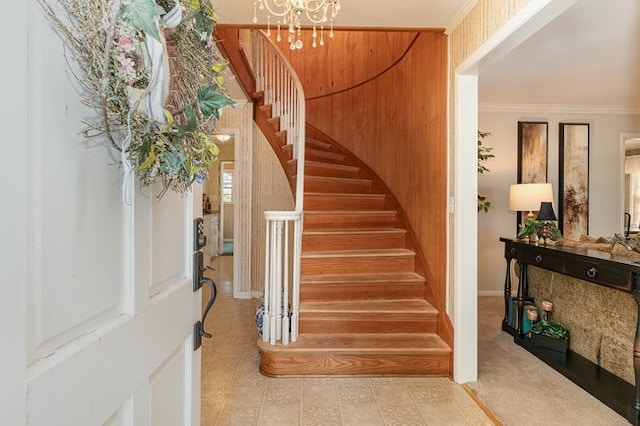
[(278, 4), (292, 12)]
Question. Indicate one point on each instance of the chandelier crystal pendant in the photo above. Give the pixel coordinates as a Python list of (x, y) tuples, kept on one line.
[(290, 14)]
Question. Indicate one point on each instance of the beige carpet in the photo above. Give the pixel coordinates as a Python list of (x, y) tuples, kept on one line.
[(521, 390)]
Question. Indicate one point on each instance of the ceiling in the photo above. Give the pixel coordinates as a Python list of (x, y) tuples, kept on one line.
[(360, 13), (589, 56)]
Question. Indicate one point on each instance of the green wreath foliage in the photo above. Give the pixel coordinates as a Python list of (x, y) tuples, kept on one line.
[(107, 40)]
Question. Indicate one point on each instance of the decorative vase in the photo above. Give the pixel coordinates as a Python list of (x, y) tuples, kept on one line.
[(259, 316)]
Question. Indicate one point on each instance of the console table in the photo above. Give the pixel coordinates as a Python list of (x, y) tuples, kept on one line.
[(600, 268)]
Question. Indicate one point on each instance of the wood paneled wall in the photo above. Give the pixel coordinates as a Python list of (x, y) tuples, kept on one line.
[(348, 59), (396, 123)]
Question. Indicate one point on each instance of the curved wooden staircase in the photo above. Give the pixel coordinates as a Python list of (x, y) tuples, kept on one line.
[(362, 305)]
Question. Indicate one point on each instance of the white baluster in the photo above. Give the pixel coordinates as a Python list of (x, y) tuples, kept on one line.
[(266, 316), (283, 91), (273, 284), (278, 280), (285, 288)]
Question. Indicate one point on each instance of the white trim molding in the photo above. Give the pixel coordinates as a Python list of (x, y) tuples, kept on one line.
[(560, 109)]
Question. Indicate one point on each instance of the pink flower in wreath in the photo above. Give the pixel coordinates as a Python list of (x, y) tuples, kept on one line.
[(124, 42)]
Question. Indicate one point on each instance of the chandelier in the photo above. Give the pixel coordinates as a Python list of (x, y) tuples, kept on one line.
[(290, 14)]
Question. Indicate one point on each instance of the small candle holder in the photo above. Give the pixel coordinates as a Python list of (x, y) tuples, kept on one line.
[(532, 316), (547, 307)]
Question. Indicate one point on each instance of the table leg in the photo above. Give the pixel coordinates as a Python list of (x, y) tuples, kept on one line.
[(507, 293)]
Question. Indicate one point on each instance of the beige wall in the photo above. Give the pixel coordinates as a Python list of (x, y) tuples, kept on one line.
[(605, 173), (270, 191), (238, 121), (484, 19)]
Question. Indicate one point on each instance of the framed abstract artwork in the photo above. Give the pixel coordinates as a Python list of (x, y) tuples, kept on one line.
[(573, 214), (532, 153)]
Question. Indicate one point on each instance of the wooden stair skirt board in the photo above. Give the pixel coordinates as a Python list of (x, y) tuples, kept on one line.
[(357, 355)]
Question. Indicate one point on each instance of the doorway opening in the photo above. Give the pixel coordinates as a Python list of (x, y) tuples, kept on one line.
[(226, 207)]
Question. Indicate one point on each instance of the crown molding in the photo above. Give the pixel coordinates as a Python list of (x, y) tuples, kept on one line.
[(559, 108)]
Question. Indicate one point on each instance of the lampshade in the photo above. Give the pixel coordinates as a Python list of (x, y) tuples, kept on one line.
[(528, 196), (546, 211)]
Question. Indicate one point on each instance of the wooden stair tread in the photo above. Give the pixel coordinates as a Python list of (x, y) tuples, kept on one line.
[(349, 212), (373, 279), (334, 166), (393, 252), (317, 144), (325, 154), (357, 343), (338, 179), (355, 231), (343, 195), (369, 306)]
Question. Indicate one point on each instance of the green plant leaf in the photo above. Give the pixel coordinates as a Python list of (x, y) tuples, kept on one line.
[(143, 15), (191, 124), (148, 161), (550, 329), (194, 4), (172, 162), (204, 26), (211, 102), (219, 67)]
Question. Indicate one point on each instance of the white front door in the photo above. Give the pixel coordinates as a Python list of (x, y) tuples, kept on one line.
[(96, 301)]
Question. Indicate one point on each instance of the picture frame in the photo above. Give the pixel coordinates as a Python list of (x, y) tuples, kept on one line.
[(573, 180), (533, 145)]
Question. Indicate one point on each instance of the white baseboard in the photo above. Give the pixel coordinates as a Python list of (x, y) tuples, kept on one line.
[(242, 295), (491, 293)]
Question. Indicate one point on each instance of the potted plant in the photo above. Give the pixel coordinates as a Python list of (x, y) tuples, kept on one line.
[(484, 154), (551, 335), (529, 229)]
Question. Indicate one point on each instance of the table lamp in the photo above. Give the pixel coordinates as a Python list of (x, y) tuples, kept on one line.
[(526, 197), (546, 215)]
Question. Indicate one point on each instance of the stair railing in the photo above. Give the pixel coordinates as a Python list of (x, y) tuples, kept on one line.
[(282, 90)]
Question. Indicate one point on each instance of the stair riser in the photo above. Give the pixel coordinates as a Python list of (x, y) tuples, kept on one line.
[(343, 265), (275, 123), (366, 323), (321, 242), (341, 291), (329, 221), (369, 364), (267, 110), (326, 157), (315, 170), (337, 187), (343, 203)]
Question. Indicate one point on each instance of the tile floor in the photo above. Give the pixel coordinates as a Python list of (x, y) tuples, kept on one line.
[(235, 393)]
